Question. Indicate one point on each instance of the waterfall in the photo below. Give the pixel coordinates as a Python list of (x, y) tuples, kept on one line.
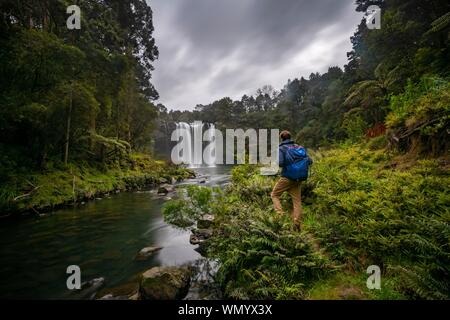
[(197, 142), (210, 158), (184, 130), (192, 149)]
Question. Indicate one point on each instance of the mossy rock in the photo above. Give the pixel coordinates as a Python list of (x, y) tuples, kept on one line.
[(165, 283), (205, 221)]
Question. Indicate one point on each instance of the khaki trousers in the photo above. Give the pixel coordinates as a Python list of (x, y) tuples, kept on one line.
[(291, 187)]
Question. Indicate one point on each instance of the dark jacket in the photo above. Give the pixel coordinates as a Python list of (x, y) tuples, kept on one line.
[(282, 162), (281, 153)]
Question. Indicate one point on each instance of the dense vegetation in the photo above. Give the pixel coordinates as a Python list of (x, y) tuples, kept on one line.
[(74, 94), (76, 105), (379, 188), (360, 210), (72, 102)]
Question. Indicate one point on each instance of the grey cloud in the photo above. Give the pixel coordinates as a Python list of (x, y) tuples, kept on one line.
[(215, 48)]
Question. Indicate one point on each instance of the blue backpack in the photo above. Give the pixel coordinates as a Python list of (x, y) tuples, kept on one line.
[(298, 163)]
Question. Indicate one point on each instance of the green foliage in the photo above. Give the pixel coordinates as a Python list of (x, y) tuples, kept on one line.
[(87, 91), (358, 211), (354, 125), (262, 258), (193, 202), (37, 191), (366, 213), (420, 117), (352, 286), (425, 106)]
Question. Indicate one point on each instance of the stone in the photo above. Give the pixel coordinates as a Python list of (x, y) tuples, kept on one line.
[(163, 180), (134, 296), (112, 297), (206, 221), (127, 291), (165, 189), (146, 253), (200, 235), (165, 283), (89, 289), (202, 248), (203, 233)]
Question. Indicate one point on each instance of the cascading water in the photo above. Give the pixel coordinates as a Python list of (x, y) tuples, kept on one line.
[(184, 130), (210, 158), (197, 142), (191, 152)]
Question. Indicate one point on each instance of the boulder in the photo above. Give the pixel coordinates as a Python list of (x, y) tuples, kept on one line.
[(165, 189), (146, 253), (162, 190), (89, 289), (165, 283), (127, 291), (200, 235), (202, 248), (205, 221), (112, 297), (163, 180), (192, 174)]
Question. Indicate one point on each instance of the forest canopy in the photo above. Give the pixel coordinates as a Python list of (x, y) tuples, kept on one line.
[(71, 95)]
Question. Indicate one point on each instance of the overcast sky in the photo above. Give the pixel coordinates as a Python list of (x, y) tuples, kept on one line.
[(211, 49)]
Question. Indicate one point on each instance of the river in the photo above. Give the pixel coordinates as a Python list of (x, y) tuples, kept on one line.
[(102, 237)]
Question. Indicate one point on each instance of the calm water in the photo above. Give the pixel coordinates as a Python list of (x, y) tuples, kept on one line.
[(102, 237)]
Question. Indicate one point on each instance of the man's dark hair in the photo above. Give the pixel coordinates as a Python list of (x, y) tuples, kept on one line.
[(285, 135)]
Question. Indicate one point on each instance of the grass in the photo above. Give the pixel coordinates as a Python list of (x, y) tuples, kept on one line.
[(348, 286)]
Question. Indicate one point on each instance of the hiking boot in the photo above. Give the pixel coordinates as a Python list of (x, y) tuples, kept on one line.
[(296, 226)]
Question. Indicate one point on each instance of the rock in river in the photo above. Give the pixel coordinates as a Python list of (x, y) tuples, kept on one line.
[(205, 221), (89, 289), (146, 253), (165, 189), (165, 283), (200, 235)]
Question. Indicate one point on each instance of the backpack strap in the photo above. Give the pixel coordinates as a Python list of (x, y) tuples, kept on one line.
[(287, 156)]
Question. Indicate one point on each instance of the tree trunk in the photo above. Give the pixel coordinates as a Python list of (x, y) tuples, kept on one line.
[(69, 119)]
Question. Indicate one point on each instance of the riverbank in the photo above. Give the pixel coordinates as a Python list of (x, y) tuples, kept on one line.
[(362, 207), (40, 192)]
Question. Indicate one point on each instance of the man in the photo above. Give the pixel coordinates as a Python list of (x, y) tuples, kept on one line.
[(285, 184)]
